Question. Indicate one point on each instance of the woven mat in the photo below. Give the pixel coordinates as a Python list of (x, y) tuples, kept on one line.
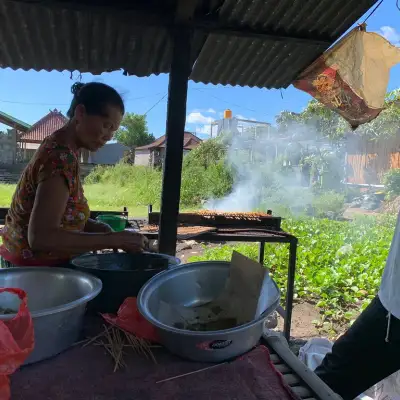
[(86, 374)]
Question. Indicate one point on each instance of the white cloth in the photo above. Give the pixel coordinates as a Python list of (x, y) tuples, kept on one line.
[(389, 293)]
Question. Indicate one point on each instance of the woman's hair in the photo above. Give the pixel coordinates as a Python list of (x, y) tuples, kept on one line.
[(95, 96)]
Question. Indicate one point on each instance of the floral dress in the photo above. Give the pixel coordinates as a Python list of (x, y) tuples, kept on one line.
[(51, 159)]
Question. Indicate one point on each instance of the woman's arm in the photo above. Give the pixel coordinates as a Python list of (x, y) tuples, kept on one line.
[(45, 233), (93, 226)]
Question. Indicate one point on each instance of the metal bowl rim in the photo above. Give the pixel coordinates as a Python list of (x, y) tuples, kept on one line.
[(176, 259), (149, 317), (98, 285)]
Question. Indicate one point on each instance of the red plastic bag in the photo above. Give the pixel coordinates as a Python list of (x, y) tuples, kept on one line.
[(129, 319), (16, 342)]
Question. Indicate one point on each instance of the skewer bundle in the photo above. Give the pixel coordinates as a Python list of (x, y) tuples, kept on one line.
[(117, 342)]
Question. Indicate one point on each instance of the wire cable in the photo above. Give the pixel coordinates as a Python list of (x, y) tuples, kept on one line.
[(373, 11), (158, 102)]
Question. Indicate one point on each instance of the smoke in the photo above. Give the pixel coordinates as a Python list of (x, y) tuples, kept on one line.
[(272, 169)]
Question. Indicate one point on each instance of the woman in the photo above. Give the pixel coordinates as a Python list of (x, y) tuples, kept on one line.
[(48, 221)]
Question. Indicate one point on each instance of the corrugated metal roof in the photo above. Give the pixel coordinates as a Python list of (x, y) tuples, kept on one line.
[(45, 37), (47, 125), (267, 63), (12, 122)]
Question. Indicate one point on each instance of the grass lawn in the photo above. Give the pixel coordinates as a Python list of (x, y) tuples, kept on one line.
[(100, 197)]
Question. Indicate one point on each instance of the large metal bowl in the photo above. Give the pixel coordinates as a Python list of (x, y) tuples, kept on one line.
[(57, 299), (197, 284)]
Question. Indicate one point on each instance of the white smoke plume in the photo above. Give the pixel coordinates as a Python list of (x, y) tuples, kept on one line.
[(264, 178)]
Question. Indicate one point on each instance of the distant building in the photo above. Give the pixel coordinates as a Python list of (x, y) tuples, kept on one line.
[(111, 153), (153, 153), (368, 160), (14, 123), (30, 140)]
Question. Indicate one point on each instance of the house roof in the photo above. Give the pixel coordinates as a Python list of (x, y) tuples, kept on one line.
[(12, 122), (235, 42), (190, 141), (50, 123)]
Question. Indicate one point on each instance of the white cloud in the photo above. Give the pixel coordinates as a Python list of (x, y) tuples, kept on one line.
[(240, 116), (196, 117), (203, 130), (205, 110), (390, 34)]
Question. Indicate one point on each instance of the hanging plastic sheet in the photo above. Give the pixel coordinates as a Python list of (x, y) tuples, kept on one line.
[(351, 77)]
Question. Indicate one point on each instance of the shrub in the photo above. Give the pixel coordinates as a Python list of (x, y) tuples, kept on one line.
[(142, 185), (206, 154), (328, 205), (391, 180)]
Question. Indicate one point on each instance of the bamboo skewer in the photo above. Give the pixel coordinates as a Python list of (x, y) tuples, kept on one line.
[(191, 373)]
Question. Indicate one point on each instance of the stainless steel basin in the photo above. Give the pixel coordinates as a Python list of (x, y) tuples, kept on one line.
[(196, 284), (57, 299)]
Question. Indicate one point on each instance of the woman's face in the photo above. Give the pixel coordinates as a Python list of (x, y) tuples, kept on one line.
[(94, 131)]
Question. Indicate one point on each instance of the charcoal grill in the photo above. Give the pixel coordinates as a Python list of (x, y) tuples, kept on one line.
[(238, 227), (224, 220)]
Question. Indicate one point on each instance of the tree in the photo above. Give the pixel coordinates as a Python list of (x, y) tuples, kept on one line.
[(330, 125), (388, 121), (208, 152), (134, 131)]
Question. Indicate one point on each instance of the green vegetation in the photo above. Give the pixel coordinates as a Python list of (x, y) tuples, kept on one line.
[(204, 175), (328, 205), (123, 184), (331, 125), (6, 193), (100, 197), (391, 180), (339, 264)]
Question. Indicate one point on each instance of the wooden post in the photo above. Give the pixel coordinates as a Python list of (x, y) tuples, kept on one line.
[(176, 117)]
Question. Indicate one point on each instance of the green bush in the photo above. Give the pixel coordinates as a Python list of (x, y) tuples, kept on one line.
[(339, 264), (202, 178), (391, 180), (205, 154), (328, 205)]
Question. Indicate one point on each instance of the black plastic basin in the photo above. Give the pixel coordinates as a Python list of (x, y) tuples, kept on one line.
[(122, 275)]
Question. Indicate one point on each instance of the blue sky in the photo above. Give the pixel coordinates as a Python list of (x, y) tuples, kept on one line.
[(29, 95)]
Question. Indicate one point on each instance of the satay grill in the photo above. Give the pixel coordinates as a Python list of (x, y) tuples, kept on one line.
[(224, 220)]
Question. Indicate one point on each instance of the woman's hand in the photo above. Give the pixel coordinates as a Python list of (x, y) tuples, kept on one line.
[(129, 241), (93, 226)]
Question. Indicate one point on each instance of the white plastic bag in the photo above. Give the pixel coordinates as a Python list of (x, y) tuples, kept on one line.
[(314, 351)]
